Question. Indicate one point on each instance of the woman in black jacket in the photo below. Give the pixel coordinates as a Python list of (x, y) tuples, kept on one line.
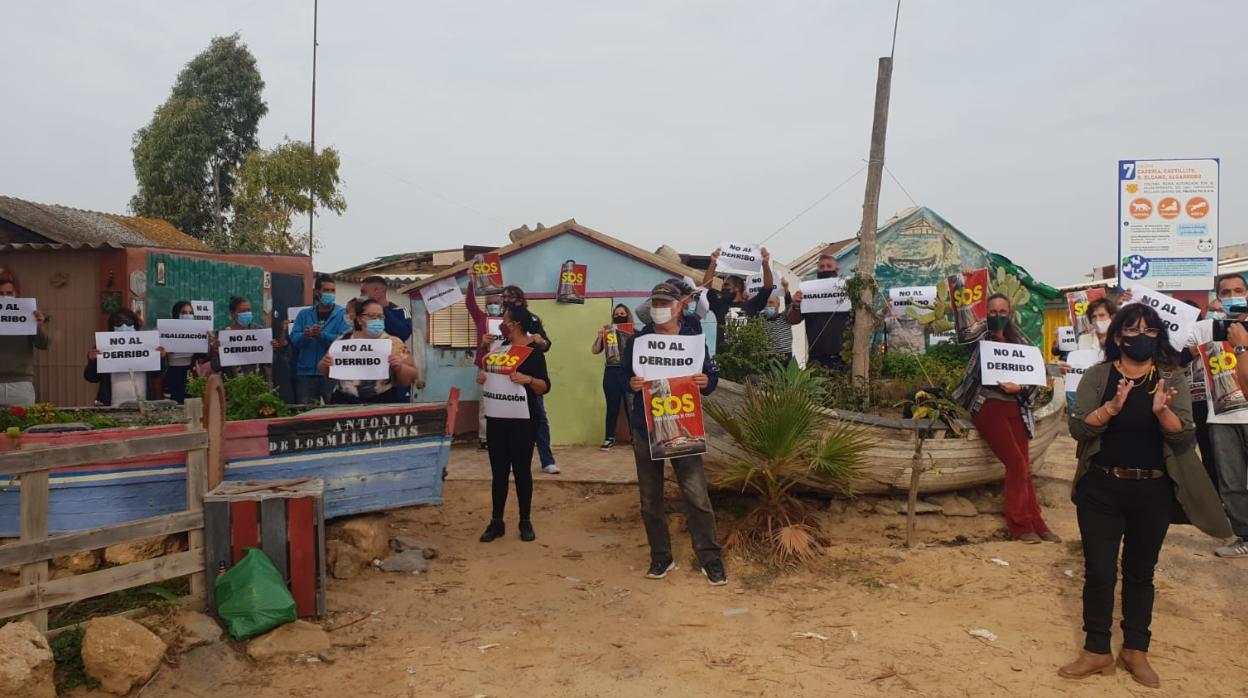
[(118, 388)]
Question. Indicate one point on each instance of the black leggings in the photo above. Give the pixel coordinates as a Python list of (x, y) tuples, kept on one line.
[(614, 387), (511, 452), (1200, 415)]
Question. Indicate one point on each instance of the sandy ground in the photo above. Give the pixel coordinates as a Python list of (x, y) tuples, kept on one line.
[(571, 615)]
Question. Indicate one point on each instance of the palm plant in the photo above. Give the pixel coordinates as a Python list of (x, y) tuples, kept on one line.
[(783, 445)]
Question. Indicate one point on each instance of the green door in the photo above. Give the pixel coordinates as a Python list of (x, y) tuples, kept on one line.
[(192, 279), (576, 407)]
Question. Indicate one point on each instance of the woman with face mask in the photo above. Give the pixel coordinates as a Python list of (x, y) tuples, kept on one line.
[(131, 386), (181, 364), (614, 382), (1133, 422), (241, 318), (1003, 417), (513, 298), (370, 323)]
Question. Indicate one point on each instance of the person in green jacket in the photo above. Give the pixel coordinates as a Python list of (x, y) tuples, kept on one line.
[(17, 356)]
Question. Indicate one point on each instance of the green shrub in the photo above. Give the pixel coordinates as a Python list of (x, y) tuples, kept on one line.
[(745, 351), (246, 397)]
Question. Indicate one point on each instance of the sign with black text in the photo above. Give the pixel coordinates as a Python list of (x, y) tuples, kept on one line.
[(441, 294), (1000, 362), (1066, 339), (17, 316), (824, 296), (245, 347), (504, 399), (1079, 361), (203, 310), (668, 355), (919, 297), (1178, 317), (127, 351), (360, 359), (740, 259), (184, 336), (674, 419)]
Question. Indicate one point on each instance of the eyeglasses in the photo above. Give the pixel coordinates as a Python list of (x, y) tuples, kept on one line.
[(1134, 332)]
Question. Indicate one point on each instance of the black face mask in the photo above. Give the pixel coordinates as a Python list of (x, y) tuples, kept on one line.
[(996, 323), (1140, 348), (826, 274), (620, 319)]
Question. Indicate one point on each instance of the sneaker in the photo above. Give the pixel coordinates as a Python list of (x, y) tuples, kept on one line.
[(551, 469), (1050, 537), (660, 568), (606, 445), (526, 531), (1237, 549), (715, 574), (496, 529)]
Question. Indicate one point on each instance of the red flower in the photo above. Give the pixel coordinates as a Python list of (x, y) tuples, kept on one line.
[(18, 411)]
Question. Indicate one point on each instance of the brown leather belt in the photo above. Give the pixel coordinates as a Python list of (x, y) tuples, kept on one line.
[(1134, 473)]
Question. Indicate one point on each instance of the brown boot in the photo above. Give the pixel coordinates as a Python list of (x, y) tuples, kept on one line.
[(1136, 664), (1088, 664)]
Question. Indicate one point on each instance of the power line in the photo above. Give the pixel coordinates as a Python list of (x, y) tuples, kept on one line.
[(899, 184), (818, 201), (896, 21), (427, 190)]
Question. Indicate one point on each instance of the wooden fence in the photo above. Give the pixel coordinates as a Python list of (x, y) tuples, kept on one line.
[(36, 593)]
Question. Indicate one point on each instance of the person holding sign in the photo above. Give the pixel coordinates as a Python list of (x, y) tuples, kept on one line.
[(666, 347), (1099, 313), (370, 324), (825, 332), (315, 329), (512, 379), (124, 386), (614, 383), (17, 351), (1133, 422), (732, 298), (180, 364), (513, 297), (777, 328), (482, 320), (1003, 416), (242, 318)]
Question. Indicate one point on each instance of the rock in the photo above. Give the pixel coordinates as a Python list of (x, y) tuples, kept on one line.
[(299, 637), (864, 505), (194, 630), (920, 507), (406, 561), (402, 543), (838, 506), (26, 663), (370, 534), (954, 505), (78, 562), (120, 653), (930, 524), (135, 551), (986, 504), (344, 560)]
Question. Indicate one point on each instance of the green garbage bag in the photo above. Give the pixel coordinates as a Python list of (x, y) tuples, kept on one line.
[(252, 597)]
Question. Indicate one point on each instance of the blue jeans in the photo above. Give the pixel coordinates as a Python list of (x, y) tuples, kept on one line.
[(310, 389), (1070, 403), (543, 434)]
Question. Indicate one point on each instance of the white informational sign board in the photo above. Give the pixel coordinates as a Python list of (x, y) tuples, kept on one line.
[(824, 296), (494, 326), (17, 316), (1000, 362), (1168, 223), (919, 297), (127, 351), (1066, 339), (360, 359), (184, 336), (668, 355), (1080, 360), (203, 310), (441, 294), (504, 399), (739, 258), (245, 347), (1178, 317)]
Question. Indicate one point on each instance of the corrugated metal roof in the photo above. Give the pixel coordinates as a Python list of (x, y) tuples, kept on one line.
[(38, 246), (78, 227), (161, 232)]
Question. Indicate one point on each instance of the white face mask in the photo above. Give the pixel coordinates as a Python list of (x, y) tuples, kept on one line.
[(661, 316), (1102, 326)]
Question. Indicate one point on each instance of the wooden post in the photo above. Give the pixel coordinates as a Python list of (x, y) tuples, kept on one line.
[(912, 500), (34, 526), (864, 323), (196, 486), (214, 422)]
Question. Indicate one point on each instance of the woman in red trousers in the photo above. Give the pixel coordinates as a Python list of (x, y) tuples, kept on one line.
[(1003, 416)]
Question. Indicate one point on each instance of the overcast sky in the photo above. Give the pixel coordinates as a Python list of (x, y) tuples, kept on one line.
[(673, 121)]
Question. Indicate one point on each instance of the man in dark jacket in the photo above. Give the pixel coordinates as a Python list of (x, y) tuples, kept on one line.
[(666, 311), (825, 332)]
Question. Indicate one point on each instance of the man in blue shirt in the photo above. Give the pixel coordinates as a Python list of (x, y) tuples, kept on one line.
[(314, 330), (667, 304)]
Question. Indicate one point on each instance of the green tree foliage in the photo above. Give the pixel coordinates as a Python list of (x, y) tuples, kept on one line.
[(745, 351), (198, 138), (275, 186)]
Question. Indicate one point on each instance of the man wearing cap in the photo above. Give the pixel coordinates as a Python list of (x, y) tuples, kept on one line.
[(667, 304), (825, 332)]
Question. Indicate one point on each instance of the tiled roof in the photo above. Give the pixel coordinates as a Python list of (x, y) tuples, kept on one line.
[(161, 232), (77, 227)]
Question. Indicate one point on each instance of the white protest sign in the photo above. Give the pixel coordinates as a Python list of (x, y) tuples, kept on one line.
[(293, 313), (1000, 362), (754, 284), (127, 351), (504, 399), (668, 356), (184, 336), (246, 347), (1066, 339), (824, 296), (739, 258), (910, 297), (494, 326), (1080, 360), (360, 359), (17, 316), (441, 294), (202, 310), (1178, 317), (942, 337)]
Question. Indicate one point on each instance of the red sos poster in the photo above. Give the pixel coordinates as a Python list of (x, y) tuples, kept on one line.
[(968, 293), (1077, 306), (486, 273), (1225, 394), (613, 344), (674, 417), (571, 283), (505, 362)]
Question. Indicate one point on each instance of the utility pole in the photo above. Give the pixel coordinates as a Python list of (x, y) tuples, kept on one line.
[(312, 161)]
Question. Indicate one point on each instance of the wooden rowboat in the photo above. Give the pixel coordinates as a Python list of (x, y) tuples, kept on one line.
[(952, 462)]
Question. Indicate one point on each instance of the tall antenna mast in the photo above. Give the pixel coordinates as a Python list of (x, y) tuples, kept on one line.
[(312, 160)]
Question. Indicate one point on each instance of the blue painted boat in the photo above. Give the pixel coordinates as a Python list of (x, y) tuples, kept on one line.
[(371, 458)]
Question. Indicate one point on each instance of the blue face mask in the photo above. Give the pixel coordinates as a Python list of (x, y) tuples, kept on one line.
[(1235, 306), (1215, 315), (244, 318), (124, 328), (768, 313), (327, 298), (691, 311), (375, 327), (494, 309), (187, 316)]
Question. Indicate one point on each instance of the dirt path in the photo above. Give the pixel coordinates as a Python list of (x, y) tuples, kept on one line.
[(571, 615)]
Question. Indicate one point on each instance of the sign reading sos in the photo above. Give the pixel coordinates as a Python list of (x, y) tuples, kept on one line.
[(673, 404), (572, 277), (967, 296), (487, 267), (1222, 362), (1081, 308), (502, 360)]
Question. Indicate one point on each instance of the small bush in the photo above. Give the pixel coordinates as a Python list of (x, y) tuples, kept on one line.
[(745, 352), (246, 397), (67, 653)]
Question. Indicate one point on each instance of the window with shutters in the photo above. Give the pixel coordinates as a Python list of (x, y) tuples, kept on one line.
[(452, 328)]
